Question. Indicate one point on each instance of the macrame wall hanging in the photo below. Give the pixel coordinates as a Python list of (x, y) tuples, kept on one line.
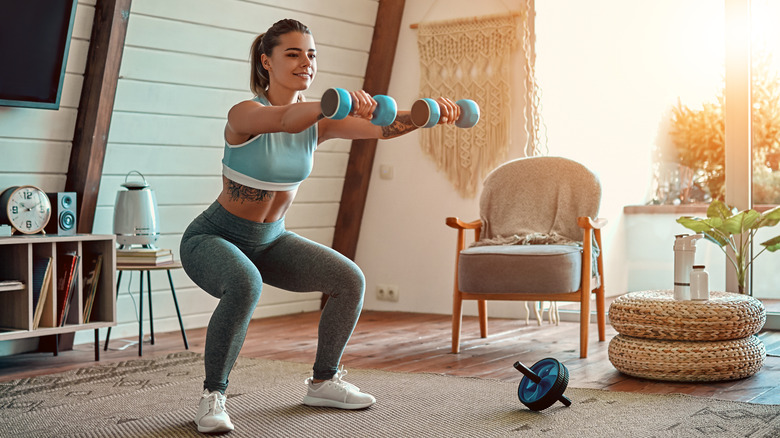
[(469, 58)]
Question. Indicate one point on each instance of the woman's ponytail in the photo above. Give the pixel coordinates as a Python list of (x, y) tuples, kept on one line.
[(258, 81)]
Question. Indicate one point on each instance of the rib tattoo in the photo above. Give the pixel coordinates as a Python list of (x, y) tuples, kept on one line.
[(240, 192), (402, 125)]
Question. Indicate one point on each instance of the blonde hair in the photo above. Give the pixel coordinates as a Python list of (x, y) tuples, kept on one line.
[(264, 44)]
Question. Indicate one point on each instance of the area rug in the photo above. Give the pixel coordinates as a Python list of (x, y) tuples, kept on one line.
[(157, 398)]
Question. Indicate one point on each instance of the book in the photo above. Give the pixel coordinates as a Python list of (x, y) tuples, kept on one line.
[(39, 297), (66, 273), (144, 256), (9, 285), (91, 281), (142, 252)]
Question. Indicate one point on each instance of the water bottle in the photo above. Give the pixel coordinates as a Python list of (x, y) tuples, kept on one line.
[(684, 253), (700, 289)]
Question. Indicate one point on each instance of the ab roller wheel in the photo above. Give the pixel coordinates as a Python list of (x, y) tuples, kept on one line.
[(543, 384), (426, 113), (337, 104)]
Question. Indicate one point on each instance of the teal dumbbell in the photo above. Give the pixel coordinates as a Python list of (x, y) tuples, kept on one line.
[(426, 113), (336, 104)]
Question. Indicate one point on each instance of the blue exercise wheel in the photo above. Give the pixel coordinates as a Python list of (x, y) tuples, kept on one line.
[(543, 384)]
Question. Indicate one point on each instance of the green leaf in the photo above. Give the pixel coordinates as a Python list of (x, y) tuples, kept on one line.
[(718, 209), (770, 218), (716, 239), (740, 222), (772, 244), (699, 225)]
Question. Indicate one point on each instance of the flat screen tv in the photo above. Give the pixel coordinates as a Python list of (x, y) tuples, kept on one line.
[(34, 43)]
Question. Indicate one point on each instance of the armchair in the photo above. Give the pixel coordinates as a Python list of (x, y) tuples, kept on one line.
[(537, 239)]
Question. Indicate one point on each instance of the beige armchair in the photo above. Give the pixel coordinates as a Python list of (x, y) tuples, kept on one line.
[(538, 239)]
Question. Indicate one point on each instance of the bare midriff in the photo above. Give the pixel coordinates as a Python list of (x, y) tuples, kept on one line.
[(254, 204)]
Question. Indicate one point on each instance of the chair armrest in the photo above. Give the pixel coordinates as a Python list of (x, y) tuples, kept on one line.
[(459, 224), (585, 222)]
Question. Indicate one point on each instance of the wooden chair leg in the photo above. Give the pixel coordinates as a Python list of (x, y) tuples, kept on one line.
[(527, 312), (584, 321), (536, 312), (601, 314), (483, 328), (457, 318)]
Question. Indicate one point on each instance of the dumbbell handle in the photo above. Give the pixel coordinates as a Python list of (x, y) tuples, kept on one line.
[(336, 104), (532, 376), (426, 113)]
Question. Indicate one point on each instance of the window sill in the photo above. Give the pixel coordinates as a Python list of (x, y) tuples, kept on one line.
[(683, 210)]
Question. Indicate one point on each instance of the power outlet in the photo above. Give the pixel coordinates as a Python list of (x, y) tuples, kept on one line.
[(387, 292)]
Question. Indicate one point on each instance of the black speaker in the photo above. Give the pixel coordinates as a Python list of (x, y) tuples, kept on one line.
[(63, 213)]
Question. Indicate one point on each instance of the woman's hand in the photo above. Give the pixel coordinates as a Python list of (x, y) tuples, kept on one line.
[(450, 112), (363, 105)]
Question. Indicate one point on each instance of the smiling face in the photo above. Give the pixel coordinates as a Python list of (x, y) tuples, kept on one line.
[(293, 62)]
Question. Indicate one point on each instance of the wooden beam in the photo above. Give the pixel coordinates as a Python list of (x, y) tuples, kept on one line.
[(95, 107), (361, 156)]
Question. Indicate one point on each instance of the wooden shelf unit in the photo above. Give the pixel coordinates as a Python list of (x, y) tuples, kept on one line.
[(16, 263)]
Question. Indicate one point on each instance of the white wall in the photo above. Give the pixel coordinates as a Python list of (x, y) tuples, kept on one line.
[(610, 71), (633, 61), (403, 239)]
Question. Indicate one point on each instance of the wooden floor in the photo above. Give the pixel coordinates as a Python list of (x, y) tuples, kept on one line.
[(411, 342)]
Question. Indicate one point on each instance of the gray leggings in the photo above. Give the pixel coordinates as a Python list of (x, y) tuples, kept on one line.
[(230, 258)]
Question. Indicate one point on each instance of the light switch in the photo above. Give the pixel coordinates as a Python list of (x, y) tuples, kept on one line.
[(386, 171)]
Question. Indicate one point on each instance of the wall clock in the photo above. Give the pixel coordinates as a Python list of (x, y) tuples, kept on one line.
[(26, 208)]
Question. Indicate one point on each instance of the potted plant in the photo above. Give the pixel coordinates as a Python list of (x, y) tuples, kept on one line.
[(725, 226)]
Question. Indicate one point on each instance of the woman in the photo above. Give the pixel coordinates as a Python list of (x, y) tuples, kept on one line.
[(240, 241)]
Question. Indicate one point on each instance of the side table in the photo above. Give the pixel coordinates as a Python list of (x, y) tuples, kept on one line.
[(148, 270), (664, 339)]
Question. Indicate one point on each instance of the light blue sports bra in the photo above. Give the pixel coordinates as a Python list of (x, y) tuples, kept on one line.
[(277, 161)]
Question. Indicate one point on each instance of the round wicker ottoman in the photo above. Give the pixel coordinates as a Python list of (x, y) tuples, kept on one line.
[(664, 339)]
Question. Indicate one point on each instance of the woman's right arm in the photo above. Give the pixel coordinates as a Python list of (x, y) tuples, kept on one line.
[(249, 118)]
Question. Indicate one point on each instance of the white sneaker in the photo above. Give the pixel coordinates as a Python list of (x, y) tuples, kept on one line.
[(212, 416), (336, 393)]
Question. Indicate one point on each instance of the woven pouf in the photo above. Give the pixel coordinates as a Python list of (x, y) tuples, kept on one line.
[(657, 315), (687, 360), (665, 339)]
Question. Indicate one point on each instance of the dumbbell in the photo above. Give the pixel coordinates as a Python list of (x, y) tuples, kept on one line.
[(336, 104), (543, 384), (426, 113)]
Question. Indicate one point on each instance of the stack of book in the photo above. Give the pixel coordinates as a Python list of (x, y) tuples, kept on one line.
[(144, 256)]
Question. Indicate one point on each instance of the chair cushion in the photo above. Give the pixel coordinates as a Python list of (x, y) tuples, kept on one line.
[(520, 269)]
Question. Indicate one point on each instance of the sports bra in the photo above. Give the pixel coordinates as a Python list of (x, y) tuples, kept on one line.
[(276, 161)]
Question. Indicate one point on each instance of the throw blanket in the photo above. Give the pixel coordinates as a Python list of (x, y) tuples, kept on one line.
[(528, 239)]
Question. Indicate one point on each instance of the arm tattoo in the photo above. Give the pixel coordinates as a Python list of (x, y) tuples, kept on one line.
[(402, 125), (240, 192)]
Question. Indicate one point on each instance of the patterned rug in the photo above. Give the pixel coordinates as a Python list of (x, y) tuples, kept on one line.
[(157, 398)]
